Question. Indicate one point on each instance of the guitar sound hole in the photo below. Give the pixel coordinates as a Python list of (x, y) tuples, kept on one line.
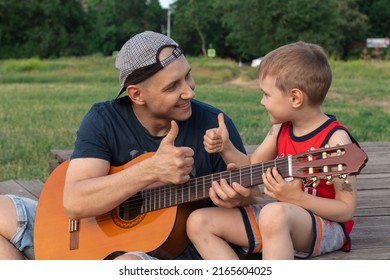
[(131, 208)]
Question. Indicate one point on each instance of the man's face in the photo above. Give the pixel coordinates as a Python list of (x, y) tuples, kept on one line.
[(167, 94)]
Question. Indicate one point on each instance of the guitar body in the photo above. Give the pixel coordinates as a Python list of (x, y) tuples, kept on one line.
[(161, 232)]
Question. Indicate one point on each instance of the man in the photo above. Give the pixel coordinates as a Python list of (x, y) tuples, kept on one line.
[(157, 114)]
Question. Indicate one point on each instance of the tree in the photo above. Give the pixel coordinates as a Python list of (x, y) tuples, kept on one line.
[(352, 27), (197, 26), (42, 28), (51, 28), (239, 29), (14, 28), (378, 12), (258, 26), (116, 20)]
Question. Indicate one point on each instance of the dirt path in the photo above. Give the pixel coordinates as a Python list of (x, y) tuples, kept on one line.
[(252, 84)]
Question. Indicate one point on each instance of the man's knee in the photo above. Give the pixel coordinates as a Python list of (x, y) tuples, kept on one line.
[(8, 217)]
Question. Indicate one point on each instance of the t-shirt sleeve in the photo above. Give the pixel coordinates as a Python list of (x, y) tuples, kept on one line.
[(90, 141)]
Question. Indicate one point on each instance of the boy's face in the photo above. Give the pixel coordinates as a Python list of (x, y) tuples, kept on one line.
[(276, 102)]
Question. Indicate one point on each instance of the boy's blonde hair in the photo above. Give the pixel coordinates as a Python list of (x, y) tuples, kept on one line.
[(299, 65)]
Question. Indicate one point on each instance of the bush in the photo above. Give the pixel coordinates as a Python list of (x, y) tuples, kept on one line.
[(23, 65)]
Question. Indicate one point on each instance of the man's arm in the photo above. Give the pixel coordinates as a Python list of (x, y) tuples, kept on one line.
[(91, 191)]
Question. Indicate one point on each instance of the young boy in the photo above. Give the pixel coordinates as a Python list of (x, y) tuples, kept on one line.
[(304, 220)]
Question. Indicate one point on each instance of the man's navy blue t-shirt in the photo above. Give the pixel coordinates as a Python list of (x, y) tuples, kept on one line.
[(111, 131)]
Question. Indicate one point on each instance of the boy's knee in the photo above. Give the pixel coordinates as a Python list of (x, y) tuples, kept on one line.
[(196, 222), (273, 217)]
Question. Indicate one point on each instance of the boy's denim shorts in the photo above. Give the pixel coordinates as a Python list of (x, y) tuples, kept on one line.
[(23, 239)]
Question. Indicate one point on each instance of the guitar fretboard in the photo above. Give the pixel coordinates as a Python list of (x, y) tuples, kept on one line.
[(198, 188)]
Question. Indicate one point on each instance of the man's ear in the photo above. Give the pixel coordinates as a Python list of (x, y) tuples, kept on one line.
[(297, 97), (134, 93)]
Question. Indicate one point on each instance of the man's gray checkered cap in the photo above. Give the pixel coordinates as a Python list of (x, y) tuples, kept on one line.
[(140, 51)]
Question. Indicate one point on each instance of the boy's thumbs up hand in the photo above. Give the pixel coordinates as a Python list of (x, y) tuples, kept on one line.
[(215, 139)]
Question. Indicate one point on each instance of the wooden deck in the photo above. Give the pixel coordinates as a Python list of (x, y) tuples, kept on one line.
[(371, 234)]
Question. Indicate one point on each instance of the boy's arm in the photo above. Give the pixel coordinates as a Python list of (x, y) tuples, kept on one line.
[(216, 140), (340, 209), (267, 150)]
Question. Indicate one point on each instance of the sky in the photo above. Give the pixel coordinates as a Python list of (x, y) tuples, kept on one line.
[(165, 3)]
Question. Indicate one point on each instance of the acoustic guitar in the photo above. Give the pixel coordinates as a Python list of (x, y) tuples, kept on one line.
[(153, 220)]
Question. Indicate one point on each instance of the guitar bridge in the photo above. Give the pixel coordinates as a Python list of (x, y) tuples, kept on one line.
[(74, 234)]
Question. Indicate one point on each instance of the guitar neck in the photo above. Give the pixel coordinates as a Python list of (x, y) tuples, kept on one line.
[(198, 188)]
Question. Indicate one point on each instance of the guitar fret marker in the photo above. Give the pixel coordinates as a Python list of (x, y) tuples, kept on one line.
[(290, 168), (196, 189), (204, 187), (74, 234), (251, 172), (164, 198)]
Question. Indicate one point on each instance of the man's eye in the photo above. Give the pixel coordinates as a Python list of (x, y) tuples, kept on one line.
[(172, 86)]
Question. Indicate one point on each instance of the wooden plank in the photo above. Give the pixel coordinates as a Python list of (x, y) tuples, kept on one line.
[(373, 198), (370, 240), (371, 211), (12, 187), (378, 157), (358, 254), (61, 154), (375, 146), (371, 233), (374, 181), (57, 157), (376, 165), (33, 186)]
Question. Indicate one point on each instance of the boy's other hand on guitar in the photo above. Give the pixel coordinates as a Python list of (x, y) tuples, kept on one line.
[(173, 164), (277, 187)]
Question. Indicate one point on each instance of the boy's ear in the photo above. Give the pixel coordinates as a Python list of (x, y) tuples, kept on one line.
[(134, 93), (296, 96)]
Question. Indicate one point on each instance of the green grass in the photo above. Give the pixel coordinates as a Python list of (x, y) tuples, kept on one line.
[(43, 101)]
